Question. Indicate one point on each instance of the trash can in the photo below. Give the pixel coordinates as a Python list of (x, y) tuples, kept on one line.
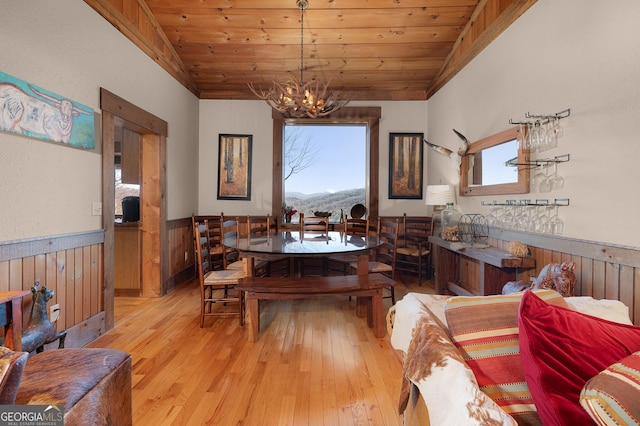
[(131, 209)]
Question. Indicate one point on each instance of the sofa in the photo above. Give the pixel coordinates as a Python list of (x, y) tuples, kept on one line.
[(86, 386), (528, 358)]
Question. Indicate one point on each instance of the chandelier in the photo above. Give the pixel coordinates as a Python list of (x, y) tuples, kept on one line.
[(295, 98)]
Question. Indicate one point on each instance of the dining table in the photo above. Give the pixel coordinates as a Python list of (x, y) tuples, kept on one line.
[(295, 244)]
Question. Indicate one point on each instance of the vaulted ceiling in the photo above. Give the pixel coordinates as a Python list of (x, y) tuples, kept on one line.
[(367, 49)]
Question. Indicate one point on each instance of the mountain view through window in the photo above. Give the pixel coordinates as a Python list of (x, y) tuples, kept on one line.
[(324, 169)]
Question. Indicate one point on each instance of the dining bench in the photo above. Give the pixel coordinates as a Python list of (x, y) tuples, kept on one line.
[(367, 288)]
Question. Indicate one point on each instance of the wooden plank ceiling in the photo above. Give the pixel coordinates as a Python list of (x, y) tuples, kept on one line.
[(367, 49)]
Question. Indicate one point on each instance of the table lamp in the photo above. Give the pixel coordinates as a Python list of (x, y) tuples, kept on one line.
[(440, 196), (443, 195)]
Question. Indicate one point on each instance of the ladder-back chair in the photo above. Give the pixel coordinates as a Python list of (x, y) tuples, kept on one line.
[(314, 229), (414, 249), (353, 229), (263, 227), (314, 225), (230, 230), (385, 255), (215, 285)]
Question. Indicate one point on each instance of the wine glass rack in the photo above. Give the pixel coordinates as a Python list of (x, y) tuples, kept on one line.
[(557, 202), (541, 118), (537, 163)]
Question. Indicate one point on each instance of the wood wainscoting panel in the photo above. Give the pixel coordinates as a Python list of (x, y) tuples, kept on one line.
[(70, 265), (603, 271), (180, 240)]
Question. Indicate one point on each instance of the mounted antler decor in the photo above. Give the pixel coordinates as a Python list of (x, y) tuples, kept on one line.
[(462, 151)]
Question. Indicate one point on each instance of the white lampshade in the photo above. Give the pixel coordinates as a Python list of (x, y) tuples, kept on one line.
[(440, 195)]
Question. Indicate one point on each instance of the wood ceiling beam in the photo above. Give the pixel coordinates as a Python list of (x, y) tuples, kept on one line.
[(136, 22), (316, 4), (205, 51), (488, 21), (372, 94), (175, 15)]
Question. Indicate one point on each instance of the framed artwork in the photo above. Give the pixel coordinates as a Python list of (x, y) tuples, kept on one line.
[(234, 167), (32, 111), (405, 165)]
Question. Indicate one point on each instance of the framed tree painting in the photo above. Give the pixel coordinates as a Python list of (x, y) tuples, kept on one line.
[(405, 165), (234, 167)]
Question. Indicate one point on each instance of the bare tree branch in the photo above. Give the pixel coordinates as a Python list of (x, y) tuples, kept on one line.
[(298, 154)]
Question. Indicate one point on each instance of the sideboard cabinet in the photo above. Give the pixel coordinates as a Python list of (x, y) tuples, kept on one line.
[(473, 271)]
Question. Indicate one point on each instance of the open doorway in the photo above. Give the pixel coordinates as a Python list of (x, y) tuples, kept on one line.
[(151, 132)]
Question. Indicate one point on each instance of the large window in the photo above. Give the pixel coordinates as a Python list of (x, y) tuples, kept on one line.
[(324, 168), (363, 119)]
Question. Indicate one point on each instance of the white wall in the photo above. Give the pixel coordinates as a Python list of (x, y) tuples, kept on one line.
[(583, 55), (254, 118), (67, 48), (243, 118)]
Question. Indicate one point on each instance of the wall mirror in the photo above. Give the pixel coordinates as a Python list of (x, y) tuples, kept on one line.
[(495, 165)]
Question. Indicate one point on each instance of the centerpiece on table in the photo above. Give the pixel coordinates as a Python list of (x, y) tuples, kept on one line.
[(288, 212)]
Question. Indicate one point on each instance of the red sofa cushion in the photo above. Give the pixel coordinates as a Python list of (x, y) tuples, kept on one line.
[(561, 349)]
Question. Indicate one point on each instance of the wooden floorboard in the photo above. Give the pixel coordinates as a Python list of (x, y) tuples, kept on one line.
[(315, 363)]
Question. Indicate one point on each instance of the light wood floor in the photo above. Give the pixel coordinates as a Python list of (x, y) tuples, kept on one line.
[(316, 363)]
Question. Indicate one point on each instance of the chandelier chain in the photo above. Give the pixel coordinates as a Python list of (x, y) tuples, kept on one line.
[(301, 43)]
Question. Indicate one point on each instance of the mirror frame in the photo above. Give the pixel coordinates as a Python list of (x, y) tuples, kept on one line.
[(519, 187)]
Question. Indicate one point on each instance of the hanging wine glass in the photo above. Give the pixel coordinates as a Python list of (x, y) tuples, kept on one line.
[(552, 131), (540, 216), (538, 177), (492, 217), (522, 217), (556, 224), (514, 212), (545, 184), (523, 136), (546, 225), (555, 180)]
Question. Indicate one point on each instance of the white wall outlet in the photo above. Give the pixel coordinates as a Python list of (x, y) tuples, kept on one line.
[(186, 256), (54, 313), (96, 208)]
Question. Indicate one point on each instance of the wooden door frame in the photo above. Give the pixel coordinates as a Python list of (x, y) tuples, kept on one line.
[(154, 261)]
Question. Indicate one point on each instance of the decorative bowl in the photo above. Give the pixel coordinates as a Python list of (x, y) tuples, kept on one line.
[(358, 211), (322, 214)]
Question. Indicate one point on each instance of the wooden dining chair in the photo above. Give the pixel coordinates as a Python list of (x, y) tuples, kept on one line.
[(263, 227), (352, 229), (216, 286), (314, 224), (259, 226), (414, 248), (230, 231), (230, 236), (314, 229), (385, 255), (215, 242)]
